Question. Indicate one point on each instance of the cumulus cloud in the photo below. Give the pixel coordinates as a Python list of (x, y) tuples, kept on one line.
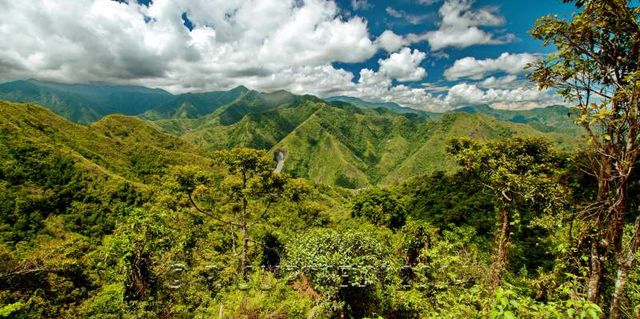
[(233, 42), (518, 98), (506, 81), (404, 65), (377, 87), (266, 45), (391, 42), (460, 26), (470, 67)]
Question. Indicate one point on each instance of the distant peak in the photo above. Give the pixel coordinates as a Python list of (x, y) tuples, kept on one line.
[(280, 92), (240, 88), (479, 108)]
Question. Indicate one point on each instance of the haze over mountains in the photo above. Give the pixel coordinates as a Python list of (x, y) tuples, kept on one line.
[(339, 141)]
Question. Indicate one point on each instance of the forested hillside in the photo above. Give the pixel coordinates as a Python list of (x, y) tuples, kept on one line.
[(120, 219), (345, 142), (84, 103), (341, 144), (121, 201)]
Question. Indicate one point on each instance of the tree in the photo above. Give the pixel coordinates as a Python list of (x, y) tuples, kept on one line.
[(597, 67), (381, 207), (517, 171), (343, 266), (240, 197)]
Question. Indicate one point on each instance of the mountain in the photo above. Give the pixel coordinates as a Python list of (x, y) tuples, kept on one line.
[(331, 144), (374, 105), (87, 177), (84, 103), (335, 143), (193, 105), (555, 118), (342, 144), (117, 146)]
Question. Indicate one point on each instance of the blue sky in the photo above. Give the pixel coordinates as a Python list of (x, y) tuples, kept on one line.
[(520, 17), (426, 54)]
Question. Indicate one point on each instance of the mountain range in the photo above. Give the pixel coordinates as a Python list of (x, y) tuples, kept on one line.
[(341, 141)]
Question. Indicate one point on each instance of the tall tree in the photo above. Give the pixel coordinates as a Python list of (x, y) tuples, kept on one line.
[(241, 197), (597, 67), (517, 171)]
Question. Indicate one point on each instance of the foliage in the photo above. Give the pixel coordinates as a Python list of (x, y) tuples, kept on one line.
[(508, 304), (596, 67), (339, 266), (380, 207), (119, 220), (518, 172)]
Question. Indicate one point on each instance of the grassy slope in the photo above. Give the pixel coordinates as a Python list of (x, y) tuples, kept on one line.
[(313, 152), (346, 145), (84, 103), (332, 144), (558, 119), (111, 146), (432, 156)]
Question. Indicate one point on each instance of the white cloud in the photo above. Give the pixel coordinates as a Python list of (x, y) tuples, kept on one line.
[(411, 18), (433, 87), (390, 41), (506, 81), (360, 4), (404, 65), (460, 26), (464, 94), (470, 67), (233, 42), (266, 45), (427, 2), (518, 98), (377, 87), (323, 80)]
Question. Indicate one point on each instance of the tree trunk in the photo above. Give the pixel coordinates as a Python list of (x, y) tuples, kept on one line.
[(595, 276), (623, 270), (625, 262), (618, 215), (502, 248), (245, 240), (618, 292), (593, 291)]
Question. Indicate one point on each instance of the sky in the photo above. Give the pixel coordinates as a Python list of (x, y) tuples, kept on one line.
[(434, 55)]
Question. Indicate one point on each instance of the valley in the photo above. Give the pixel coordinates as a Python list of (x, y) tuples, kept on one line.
[(327, 141)]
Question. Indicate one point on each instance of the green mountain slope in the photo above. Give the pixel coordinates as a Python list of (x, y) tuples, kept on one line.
[(86, 175), (341, 144), (84, 103), (117, 146), (194, 105), (315, 153), (374, 105), (555, 118), (432, 156), (332, 143)]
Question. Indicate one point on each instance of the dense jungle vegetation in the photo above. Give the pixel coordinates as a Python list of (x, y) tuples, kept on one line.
[(476, 216)]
